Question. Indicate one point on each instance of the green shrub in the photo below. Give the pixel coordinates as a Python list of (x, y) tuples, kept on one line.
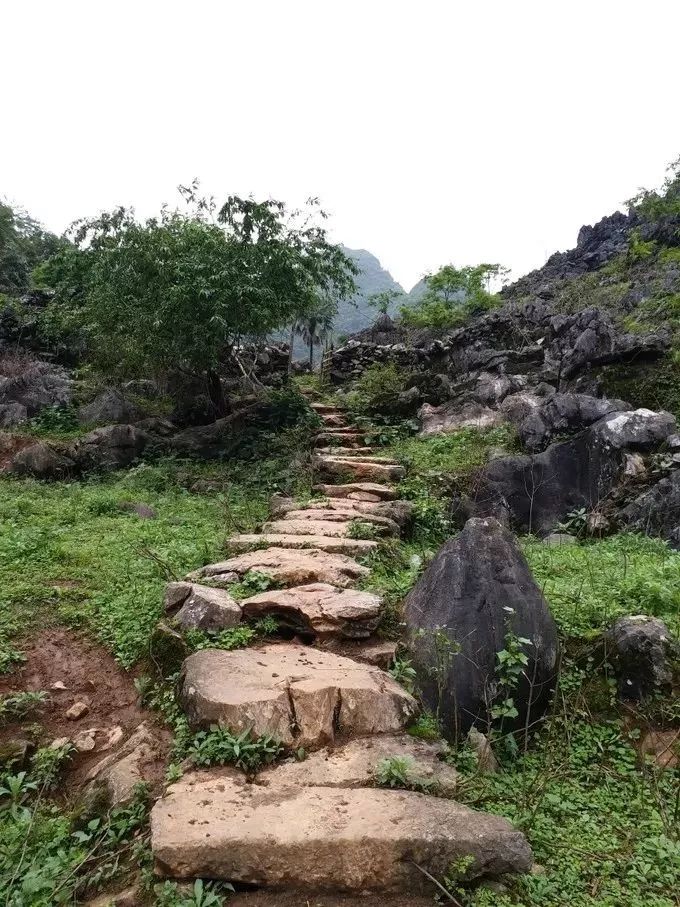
[(219, 746), (378, 389)]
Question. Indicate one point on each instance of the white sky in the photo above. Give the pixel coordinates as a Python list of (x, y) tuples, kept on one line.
[(432, 131)]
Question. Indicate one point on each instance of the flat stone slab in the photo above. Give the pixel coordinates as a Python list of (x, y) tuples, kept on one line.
[(321, 542), (333, 420), (384, 525), (378, 652), (287, 567), (324, 838), (379, 491), (299, 695), (330, 528), (339, 436), (321, 457), (324, 408), (360, 469), (393, 511), (339, 451), (355, 765), (319, 609)]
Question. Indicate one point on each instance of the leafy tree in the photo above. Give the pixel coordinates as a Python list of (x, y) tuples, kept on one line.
[(655, 204), (454, 294), (185, 289), (383, 300), (23, 245)]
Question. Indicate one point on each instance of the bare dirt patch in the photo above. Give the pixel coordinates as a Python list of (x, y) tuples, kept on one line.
[(88, 673)]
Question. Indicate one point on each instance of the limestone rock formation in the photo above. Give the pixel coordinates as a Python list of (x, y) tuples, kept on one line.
[(465, 594)]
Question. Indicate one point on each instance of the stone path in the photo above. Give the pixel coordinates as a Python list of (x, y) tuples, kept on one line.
[(321, 824)]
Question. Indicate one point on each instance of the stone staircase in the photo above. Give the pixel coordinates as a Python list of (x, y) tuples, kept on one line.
[(320, 824)]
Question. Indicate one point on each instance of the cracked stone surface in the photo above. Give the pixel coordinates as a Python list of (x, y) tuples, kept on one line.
[(287, 566), (299, 695), (321, 542)]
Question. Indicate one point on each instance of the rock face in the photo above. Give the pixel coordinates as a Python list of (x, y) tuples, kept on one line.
[(41, 461), (564, 413), (110, 447), (33, 384), (322, 838), (300, 696), (450, 417), (287, 566), (318, 609), (464, 594), (657, 511), (639, 429), (641, 649), (109, 407)]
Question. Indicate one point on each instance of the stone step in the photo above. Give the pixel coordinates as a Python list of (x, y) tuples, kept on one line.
[(323, 838), (361, 470), (355, 458), (321, 542), (394, 511), (318, 610), (343, 430), (325, 408), (377, 491), (301, 696), (288, 567), (385, 525), (333, 421), (338, 529), (340, 451)]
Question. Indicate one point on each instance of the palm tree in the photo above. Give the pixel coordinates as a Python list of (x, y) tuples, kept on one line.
[(314, 329)]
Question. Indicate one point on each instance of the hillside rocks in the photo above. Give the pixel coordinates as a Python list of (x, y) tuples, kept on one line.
[(465, 594), (450, 417), (641, 650), (657, 510), (109, 407), (562, 414), (300, 696), (110, 447), (32, 383), (41, 461), (534, 493)]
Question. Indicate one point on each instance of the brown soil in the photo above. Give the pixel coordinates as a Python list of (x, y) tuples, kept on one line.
[(90, 675)]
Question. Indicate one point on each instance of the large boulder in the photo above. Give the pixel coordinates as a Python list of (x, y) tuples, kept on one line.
[(32, 383), (639, 429), (12, 414), (300, 696), (42, 462), (450, 417), (110, 447), (534, 493), (328, 839), (562, 414), (642, 652), (657, 510), (477, 590), (109, 407)]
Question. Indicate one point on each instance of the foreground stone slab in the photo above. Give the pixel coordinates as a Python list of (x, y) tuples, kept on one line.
[(330, 528), (287, 567), (355, 765), (379, 491), (299, 695), (319, 609), (322, 542), (324, 838)]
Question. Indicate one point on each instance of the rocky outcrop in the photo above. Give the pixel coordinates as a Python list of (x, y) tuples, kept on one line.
[(41, 461), (451, 417), (111, 447), (642, 652), (109, 407), (299, 696), (657, 510), (563, 414), (32, 383), (324, 838), (477, 589)]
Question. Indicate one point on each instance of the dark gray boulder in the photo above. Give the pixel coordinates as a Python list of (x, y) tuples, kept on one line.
[(657, 510), (460, 606), (564, 414), (42, 462), (642, 652), (33, 384), (109, 407), (638, 429), (110, 447), (535, 493), (12, 414)]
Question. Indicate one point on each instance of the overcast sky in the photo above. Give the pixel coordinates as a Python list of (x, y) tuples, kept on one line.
[(432, 131)]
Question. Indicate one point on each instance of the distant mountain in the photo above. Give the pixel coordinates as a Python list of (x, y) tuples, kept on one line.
[(356, 314)]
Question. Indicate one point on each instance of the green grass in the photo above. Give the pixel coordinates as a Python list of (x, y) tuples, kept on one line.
[(70, 554), (591, 584)]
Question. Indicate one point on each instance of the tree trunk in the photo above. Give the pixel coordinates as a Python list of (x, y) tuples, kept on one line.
[(216, 393), (290, 348), (311, 354)]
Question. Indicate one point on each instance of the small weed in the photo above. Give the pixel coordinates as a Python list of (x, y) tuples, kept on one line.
[(219, 746), (361, 530), (404, 673), (399, 771), (17, 705), (426, 727)]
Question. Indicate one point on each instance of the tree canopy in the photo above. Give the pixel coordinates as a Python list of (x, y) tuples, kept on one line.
[(23, 245), (184, 289), (454, 294)]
